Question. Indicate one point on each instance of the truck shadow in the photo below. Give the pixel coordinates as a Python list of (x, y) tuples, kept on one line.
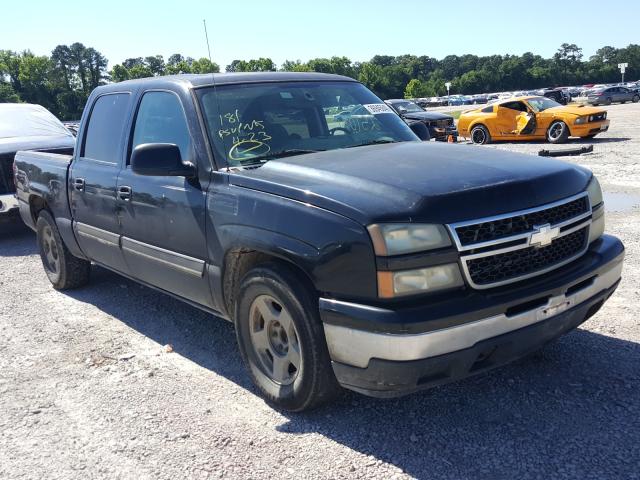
[(570, 410), (16, 239)]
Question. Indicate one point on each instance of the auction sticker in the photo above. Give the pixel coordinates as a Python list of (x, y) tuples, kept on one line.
[(376, 108)]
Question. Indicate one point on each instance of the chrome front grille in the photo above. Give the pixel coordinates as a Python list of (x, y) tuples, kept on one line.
[(507, 248)]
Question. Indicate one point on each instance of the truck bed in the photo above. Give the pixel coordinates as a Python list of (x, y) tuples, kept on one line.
[(44, 175)]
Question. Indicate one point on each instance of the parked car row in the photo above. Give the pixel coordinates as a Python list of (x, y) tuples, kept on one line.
[(609, 95)]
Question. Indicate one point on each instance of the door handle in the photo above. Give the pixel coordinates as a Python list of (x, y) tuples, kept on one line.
[(124, 193), (78, 184)]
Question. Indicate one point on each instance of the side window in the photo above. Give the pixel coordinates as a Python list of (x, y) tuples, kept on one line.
[(160, 119), (488, 109), (103, 137), (519, 106)]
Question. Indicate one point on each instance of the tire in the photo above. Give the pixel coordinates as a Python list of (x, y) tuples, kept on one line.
[(608, 101), (558, 132), (281, 339), (635, 98), (480, 135), (63, 269)]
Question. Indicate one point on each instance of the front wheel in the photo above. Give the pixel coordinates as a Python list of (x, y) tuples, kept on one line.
[(281, 339), (635, 98), (480, 135), (558, 132), (63, 269)]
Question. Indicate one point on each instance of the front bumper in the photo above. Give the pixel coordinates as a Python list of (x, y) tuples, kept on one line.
[(442, 133), (392, 357), (590, 128)]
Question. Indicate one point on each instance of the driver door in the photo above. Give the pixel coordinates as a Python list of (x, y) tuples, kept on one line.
[(507, 119)]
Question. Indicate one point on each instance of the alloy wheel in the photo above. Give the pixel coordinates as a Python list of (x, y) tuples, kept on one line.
[(556, 131)]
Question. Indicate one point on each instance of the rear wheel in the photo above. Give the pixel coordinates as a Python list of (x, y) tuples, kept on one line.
[(558, 132), (480, 135), (281, 339), (63, 269), (635, 98)]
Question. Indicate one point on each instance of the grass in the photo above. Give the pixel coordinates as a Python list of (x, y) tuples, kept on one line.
[(455, 114)]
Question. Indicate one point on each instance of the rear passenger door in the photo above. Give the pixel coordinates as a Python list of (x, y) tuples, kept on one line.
[(93, 179), (163, 217)]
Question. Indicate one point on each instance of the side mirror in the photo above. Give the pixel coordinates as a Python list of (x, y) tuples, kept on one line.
[(160, 159), (421, 131)]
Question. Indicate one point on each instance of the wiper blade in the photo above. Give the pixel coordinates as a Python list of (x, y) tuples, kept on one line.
[(281, 154), (374, 142)]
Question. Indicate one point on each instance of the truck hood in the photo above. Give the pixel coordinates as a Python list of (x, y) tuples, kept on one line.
[(14, 144), (417, 181), (426, 116)]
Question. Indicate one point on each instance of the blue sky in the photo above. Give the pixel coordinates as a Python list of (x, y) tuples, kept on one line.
[(302, 29)]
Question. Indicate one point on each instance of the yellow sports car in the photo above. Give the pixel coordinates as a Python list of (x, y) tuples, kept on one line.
[(531, 118)]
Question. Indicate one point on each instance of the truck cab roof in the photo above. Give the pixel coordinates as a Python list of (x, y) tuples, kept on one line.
[(208, 79)]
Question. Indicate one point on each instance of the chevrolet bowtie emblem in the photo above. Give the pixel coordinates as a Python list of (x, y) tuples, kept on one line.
[(543, 235)]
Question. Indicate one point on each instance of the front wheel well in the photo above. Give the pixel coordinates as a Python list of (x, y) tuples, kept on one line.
[(239, 261)]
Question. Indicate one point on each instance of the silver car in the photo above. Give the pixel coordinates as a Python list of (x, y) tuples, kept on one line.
[(610, 95)]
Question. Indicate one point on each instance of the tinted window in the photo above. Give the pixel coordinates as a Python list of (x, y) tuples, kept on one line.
[(519, 106), (104, 132), (487, 109), (161, 119)]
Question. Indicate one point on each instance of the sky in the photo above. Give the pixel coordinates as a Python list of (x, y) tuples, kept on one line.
[(302, 29)]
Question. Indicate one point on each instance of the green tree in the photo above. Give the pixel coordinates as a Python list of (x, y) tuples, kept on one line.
[(415, 89), (371, 75)]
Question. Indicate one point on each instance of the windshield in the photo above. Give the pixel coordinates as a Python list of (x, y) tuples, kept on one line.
[(24, 120), (252, 123), (407, 107), (539, 104)]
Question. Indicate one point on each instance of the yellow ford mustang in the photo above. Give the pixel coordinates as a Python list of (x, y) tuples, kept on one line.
[(531, 118)]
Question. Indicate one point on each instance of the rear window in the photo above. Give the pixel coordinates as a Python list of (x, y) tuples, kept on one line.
[(103, 139)]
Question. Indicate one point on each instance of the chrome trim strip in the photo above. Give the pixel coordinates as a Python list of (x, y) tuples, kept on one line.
[(467, 274), (103, 236), (452, 226), (492, 253), (358, 347), (177, 261)]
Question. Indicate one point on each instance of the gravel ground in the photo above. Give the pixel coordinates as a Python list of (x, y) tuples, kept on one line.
[(88, 388)]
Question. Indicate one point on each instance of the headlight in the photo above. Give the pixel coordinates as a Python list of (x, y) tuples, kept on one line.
[(408, 282), (580, 120), (399, 238), (595, 192)]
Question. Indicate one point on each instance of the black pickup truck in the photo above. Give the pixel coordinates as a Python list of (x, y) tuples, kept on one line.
[(440, 125), (356, 257)]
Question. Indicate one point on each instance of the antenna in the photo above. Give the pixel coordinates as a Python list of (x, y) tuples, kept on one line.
[(206, 35), (213, 80)]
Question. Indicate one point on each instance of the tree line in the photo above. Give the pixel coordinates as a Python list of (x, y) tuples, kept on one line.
[(63, 80)]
